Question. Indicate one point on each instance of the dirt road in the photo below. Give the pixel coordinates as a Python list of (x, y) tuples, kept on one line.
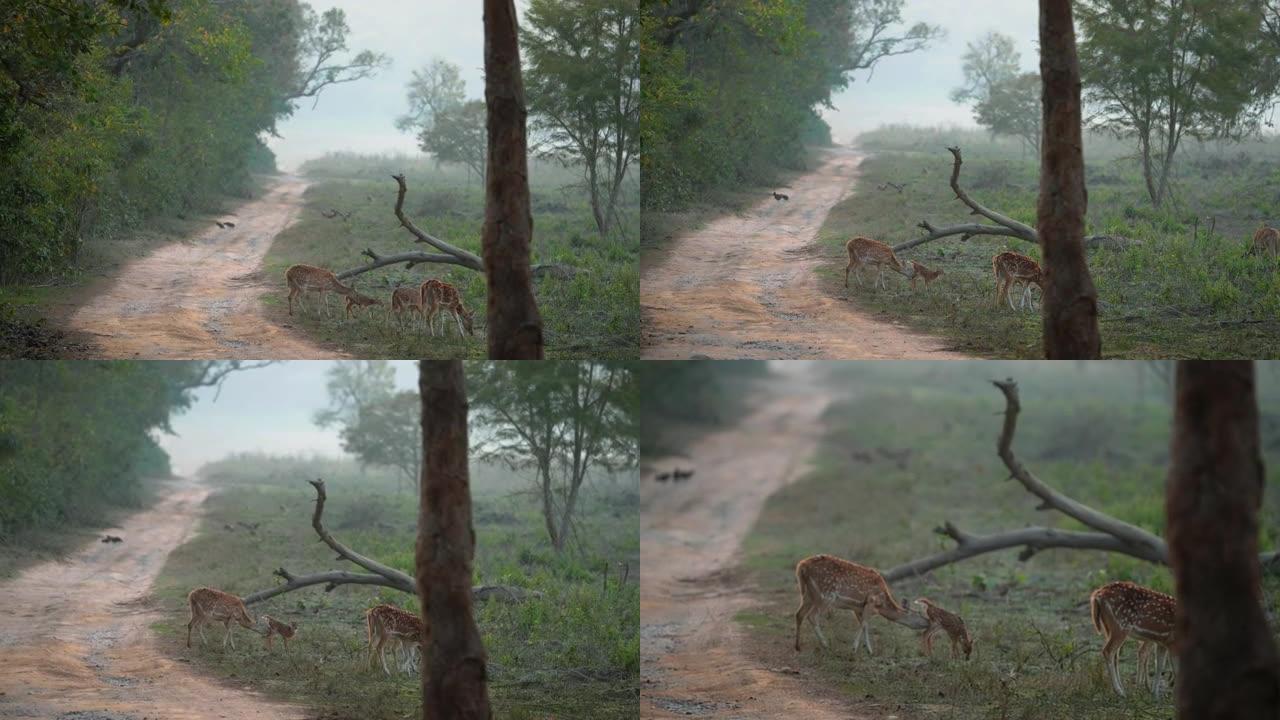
[(200, 299), (694, 661), (744, 286), (76, 640)]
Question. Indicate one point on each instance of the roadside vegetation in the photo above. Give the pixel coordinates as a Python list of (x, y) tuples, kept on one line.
[(917, 441)]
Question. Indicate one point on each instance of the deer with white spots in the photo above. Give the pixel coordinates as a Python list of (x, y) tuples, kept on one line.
[(941, 620), (403, 630), (1121, 609), (827, 582), (209, 605)]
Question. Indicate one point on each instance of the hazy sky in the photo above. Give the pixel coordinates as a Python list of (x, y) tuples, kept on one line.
[(915, 88), (268, 409)]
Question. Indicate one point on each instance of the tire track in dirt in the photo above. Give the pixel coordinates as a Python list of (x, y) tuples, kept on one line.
[(745, 286), (694, 659), (76, 639), (202, 298)]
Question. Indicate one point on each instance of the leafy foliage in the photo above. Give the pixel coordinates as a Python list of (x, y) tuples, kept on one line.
[(1004, 100), (458, 135)]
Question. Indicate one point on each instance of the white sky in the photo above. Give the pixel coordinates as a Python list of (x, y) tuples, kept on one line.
[(360, 116), (914, 88), (267, 410)]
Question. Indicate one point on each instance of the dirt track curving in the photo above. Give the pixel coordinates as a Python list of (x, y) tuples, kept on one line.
[(745, 286), (694, 658), (76, 640), (201, 298)]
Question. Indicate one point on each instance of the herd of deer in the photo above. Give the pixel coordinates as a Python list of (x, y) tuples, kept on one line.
[(1119, 610), (1011, 268), (385, 625), (430, 299)]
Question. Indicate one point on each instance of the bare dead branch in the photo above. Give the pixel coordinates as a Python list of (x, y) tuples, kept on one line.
[(468, 259), (331, 579), (417, 257)]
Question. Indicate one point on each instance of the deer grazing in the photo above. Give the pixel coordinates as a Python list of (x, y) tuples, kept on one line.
[(209, 605), (403, 299), (923, 273), (1266, 241), (439, 297), (301, 278), (941, 620), (402, 629), (1012, 268), (275, 627), (826, 582), (1121, 609), (355, 300), (865, 251)]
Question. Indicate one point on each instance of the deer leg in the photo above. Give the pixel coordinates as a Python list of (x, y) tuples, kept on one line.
[(806, 607), (1110, 651), (458, 319), (817, 629), (846, 274)]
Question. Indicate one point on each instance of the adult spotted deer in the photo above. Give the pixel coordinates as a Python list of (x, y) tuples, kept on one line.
[(275, 627), (209, 605), (1012, 268), (923, 273), (941, 620), (865, 251), (1121, 609), (1266, 242), (827, 582), (440, 297), (301, 278), (389, 624)]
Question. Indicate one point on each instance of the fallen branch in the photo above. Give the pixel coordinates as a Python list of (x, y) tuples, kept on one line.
[(1113, 535)]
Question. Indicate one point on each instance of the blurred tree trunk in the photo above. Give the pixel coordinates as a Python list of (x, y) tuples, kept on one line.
[(1229, 666), (515, 327), (454, 673), (1070, 300)]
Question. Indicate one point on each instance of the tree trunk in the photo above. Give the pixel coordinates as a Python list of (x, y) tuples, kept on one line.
[(1070, 300), (515, 327), (1229, 667), (454, 673)]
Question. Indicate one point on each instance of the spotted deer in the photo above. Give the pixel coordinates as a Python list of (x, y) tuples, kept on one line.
[(1266, 241), (301, 278), (275, 627), (406, 298), (826, 582), (440, 297), (865, 251), (356, 300), (1012, 268), (941, 620), (209, 605), (923, 273), (389, 624), (1121, 609)]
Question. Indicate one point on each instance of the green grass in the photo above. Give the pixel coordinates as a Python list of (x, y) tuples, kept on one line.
[(1169, 296), (595, 313), (1098, 434), (573, 653)]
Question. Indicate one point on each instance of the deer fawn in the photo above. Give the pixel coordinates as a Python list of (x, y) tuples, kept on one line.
[(1266, 242), (209, 605), (865, 251), (924, 273), (439, 297), (275, 627), (1012, 268), (389, 624), (301, 278), (406, 299), (827, 582), (1121, 609), (942, 621), (356, 300)]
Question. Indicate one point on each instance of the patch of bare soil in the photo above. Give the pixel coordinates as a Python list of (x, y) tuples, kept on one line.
[(76, 640), (744, 286), (201, 298), (696, 661)]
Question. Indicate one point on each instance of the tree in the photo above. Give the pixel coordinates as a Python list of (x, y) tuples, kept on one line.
[(457, 134), (584, 84), (1163, 70), (992, 60), (1012, 107), (515, 326), (353, 385), (1070, 300), (1229, 667), (560, 419), (453, 679), (437, 87), (385, 432), (321, 60)]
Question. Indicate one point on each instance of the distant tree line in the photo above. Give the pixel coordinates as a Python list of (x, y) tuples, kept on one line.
[(115, 111), (679, 395)]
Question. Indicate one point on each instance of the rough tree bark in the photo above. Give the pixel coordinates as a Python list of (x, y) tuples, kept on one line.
[(454, 674), (1070, 299), (1229, 664), (515, 326)]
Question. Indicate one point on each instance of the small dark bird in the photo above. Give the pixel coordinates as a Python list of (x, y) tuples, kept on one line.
[(663, 477), (229, 224), (111, 539), (679, 474), (219, 223), (780, 196)]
